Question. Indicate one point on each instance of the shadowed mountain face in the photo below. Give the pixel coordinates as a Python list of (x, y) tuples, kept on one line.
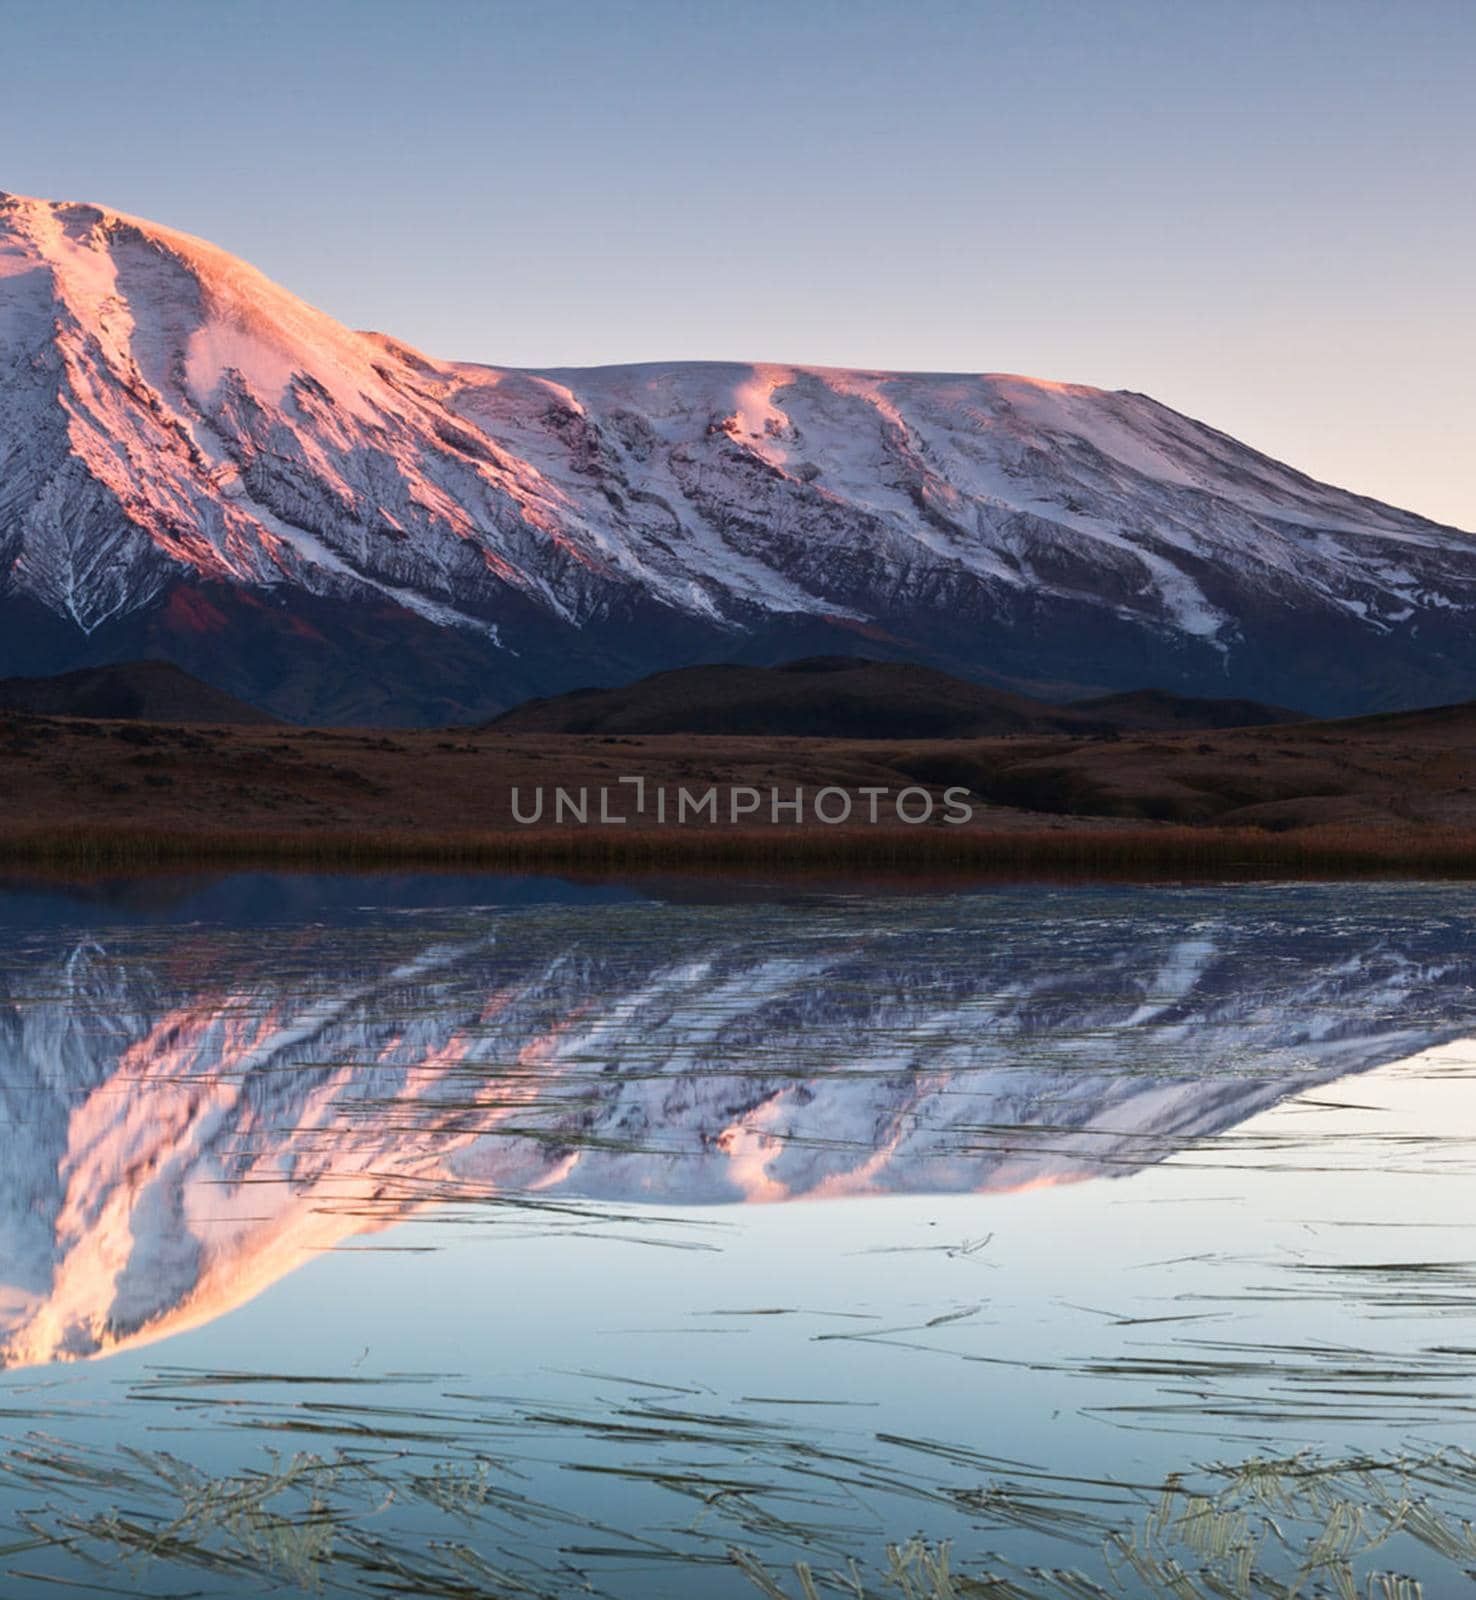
[(195, 465), (187, 1113)]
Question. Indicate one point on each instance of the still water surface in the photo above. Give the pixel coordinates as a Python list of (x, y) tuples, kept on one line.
[(472, 1237)]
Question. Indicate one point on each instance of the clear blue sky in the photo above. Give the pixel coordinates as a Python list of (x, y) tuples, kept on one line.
[(1261, 211)]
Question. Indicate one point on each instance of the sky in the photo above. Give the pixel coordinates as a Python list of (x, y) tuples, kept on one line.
[(1261, 212)]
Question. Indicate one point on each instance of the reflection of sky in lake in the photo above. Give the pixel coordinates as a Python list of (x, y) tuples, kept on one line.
[(1111, 1183)]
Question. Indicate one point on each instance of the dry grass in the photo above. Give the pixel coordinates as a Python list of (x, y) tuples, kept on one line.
[(1392, 795), (974, 851)]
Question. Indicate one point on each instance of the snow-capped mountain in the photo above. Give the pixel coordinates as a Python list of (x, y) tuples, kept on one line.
[(197, 465), (188, 1113)]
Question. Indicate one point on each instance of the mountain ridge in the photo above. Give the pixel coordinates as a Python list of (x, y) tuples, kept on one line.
[(370, 533)]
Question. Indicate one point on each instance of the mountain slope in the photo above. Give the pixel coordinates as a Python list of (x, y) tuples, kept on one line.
[(193, 461), (149, 691), (849, 697), (1144, 710)]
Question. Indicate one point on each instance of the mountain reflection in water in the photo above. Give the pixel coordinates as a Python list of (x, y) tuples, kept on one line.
[(189, 1112)]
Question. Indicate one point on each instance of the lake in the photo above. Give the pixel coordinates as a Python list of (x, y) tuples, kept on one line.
[(473, 1236)]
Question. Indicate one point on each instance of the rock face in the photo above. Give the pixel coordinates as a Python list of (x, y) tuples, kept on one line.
[(186, 1110), (196, 465)]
